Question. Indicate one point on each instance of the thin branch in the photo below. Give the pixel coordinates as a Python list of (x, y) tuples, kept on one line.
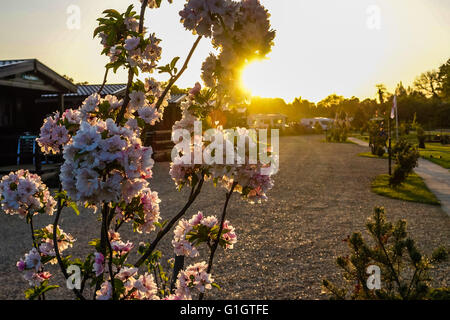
[(219, 234), (55, 245), (108, 244), (32, 233), (178, 266), (389, 263), (167, 228), (35, 245), (171, 82), (178, 75), (126, 100), (104, 81), (103, 236)]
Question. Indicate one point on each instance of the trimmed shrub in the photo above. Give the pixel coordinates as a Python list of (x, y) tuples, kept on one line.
[(420, 136), (406, 156), (377, 139)]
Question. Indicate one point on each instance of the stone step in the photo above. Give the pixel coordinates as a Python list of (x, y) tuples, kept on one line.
[(159, 135), (162, 144), (162, 155)]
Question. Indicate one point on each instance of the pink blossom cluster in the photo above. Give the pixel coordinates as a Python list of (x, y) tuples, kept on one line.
[(150, 206), (186, 230), (105, 162), (201, 16), (57, 131), (53, 135), (90, 108), (240, 31), (143, 53), (24, 193), (193, 277), (130, 47), (119, 248), (252, 183), (152, 4), (142, 288), (182, 246), (99, 264), (139, 103), (46, 244), (31, 266)]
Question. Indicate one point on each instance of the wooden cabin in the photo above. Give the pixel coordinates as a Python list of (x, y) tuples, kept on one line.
[(21, 83)]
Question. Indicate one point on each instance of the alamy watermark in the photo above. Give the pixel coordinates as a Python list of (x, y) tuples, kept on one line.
[(74, 279), (373, 21), (73, 21), (374, 280)]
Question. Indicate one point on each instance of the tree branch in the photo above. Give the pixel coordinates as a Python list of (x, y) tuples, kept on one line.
[(105, 226), (219, 234), (172, 82), (104, 82), (167, 228), (126, 100), (55, 245), (178, 75), (178, 266)]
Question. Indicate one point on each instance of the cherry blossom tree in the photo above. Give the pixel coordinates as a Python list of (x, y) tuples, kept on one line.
[(108, 166)]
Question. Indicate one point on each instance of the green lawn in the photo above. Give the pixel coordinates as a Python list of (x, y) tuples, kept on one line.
[(413, 189), (360, 137), (435, 152), (369, 154)]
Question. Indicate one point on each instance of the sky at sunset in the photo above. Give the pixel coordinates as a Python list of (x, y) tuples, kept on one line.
[(321, 47)]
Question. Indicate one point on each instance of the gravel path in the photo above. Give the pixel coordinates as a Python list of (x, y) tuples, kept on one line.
[(286, 245)]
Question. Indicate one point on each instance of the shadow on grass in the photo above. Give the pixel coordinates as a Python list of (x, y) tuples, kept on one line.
[(413, 189)]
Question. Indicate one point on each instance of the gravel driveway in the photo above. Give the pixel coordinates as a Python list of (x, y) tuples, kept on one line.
[(286, 245)]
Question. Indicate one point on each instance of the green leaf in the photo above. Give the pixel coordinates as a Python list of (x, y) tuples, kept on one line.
[(33, 293), (174, 62), (48, 288), (74, 206), (112, 13), (216, 285), (130, 7)]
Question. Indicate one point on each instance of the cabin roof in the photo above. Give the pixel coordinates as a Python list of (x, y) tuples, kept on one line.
[(13, 72)]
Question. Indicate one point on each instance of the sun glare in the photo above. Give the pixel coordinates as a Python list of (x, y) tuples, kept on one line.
[(255, 79)]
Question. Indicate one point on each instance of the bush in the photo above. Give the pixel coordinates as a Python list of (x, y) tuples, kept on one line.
[(318, 128), (377, 139), (406, 157), (339, 129), (403, 269), (420, 136)]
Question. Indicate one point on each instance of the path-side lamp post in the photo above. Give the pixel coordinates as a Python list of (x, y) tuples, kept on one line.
[(389, 146), (380, 95)]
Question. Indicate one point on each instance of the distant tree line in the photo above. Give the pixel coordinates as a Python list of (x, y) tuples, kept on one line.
[(427, 102)]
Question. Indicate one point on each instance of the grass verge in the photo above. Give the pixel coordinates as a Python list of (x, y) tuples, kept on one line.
[(413, 189), (370, 155), (436, 153)]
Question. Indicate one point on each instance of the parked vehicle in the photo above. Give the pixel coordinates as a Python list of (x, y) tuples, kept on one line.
[(325, 123)]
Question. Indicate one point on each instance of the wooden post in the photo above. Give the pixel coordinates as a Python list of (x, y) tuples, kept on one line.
[(390, 146), (61, 102), (178, 266)]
